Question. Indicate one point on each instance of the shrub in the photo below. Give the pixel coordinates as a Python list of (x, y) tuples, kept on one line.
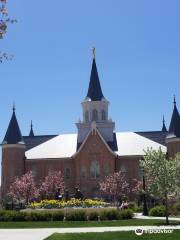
[(133, 206), (109, 215), (57, 216), (11, 216), (77, 215), (71, 215), (125, 214), (176, 208), (158, 211), (93, 216)]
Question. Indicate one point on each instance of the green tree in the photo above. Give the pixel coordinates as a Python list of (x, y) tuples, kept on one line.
[(162, 176)]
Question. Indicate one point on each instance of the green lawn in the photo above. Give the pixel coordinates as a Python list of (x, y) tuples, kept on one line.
[(114, 236), (61, 224)]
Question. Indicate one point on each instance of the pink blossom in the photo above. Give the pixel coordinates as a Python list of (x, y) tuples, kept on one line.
[(115, 185), (23, 188), (53, 181)]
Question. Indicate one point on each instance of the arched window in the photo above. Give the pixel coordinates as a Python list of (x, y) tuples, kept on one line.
[(83, 172), (103, 115), (67, 173), (95, 169), (34, 172), (94, 115), (123, 169), (86, 116), (106, 169)]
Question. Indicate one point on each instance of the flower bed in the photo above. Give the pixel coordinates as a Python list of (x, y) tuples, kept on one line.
[(73, 203)]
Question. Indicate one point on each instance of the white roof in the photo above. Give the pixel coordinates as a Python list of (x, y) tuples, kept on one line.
[(61, 146), (64, 146), (132, 144)]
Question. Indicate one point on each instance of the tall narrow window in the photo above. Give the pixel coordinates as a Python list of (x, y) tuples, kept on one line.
[(95, 169), (86, 116), (103, 115), (67, 173), (106, 169), (83, 172), (123, 169), (94, 115)]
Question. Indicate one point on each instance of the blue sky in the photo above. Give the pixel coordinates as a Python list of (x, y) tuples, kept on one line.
[(137, 55)]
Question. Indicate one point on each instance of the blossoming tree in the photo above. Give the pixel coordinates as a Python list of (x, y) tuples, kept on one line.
[(4, 20), (115, 185), (162, 175), (23, 189), (53, 181)]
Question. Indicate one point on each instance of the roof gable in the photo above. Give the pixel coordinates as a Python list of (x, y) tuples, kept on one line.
[(94, 132)]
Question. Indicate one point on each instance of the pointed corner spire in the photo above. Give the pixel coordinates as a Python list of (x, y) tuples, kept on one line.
[(13, 133), (31, 133), (94, 90), (174, 128), (164, 129)]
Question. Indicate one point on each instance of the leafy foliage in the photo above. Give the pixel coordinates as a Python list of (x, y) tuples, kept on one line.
[(70, 215), (162, 176), (158, 211)]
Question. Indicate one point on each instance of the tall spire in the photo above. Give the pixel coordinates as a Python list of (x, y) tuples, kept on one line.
[(31, 133), (13, 134), (174, 128), (164, 129), (94, 90)]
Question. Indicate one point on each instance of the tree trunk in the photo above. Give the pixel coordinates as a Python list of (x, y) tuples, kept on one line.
[(167, 209)]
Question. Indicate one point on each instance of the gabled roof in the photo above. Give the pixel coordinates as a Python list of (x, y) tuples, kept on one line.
[(61, 146), (156, 136), (34, 141), (132, 144), (13, 134), (65, 145), (94, 90), (174, 128)]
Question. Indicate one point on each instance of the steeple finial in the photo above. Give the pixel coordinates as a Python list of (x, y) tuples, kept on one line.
[(14, 107), (31, 133), (174, 100), (164, 129), (94, 52)]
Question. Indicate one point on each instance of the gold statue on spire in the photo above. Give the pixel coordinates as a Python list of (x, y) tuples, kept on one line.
[(94, 52)]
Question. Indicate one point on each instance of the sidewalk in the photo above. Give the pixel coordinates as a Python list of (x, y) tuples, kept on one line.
[(140, 216), (40, 234)]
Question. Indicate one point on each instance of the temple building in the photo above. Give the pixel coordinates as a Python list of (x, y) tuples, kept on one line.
[(85, 157)]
